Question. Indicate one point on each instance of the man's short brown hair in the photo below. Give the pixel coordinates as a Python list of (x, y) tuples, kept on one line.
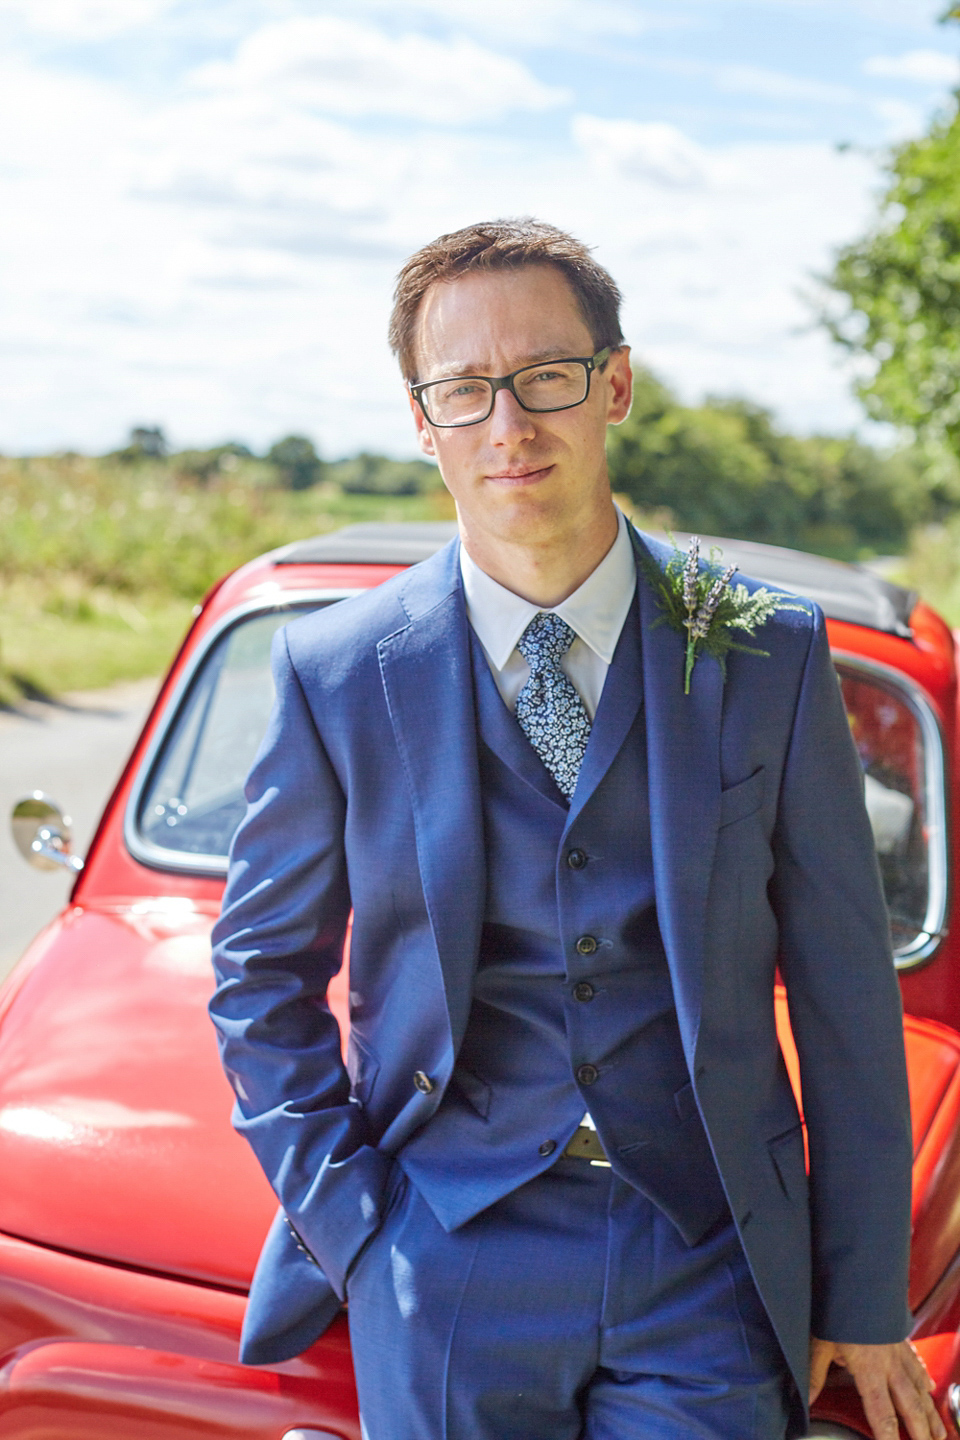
[(503, 245)]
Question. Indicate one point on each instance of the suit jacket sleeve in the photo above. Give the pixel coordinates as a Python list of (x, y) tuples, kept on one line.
[(845, 1013), (277, 943)]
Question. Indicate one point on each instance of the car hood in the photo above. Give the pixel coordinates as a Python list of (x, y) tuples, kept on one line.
[(115, 1135)]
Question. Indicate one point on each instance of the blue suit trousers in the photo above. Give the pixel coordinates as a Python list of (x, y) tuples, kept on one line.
[(571, 1309)]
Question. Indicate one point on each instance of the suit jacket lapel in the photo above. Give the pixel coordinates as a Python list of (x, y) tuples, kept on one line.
[(427, 679), (683, 747)]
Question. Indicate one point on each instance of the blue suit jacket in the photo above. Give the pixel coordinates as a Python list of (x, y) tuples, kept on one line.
[(365, 795)]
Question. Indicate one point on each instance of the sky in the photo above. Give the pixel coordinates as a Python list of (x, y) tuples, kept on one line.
[(205, 202)]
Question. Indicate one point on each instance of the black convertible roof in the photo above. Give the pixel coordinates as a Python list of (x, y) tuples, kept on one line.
[(844, 592)]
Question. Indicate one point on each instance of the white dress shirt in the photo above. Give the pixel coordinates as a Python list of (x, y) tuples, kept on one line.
[(595, 613)]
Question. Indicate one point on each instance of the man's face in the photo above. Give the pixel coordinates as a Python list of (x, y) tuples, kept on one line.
[(518, 476)]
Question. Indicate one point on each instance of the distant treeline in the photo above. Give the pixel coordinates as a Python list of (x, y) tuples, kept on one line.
[(292, 462), (723, 467), (101, 558)]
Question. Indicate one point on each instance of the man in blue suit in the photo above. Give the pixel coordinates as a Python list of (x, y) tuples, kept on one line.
[(561, 1179)]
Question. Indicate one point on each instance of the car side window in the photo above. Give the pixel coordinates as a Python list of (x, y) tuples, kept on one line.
[(893, 742)]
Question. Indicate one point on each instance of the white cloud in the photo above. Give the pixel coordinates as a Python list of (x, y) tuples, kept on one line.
[(222, 264), (656, 152), (230, 156), (902, 121), (774, 85), (86, 19), (219, 257), (926, 67), (344, 68)]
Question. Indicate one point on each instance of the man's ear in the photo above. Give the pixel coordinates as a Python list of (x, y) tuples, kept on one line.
[(619, 377), (424, 434)]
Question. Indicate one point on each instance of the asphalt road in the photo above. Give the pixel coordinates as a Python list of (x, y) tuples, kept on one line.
[(74, 752)]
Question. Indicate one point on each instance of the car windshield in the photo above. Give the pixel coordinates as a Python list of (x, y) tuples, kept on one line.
[(193, 799)]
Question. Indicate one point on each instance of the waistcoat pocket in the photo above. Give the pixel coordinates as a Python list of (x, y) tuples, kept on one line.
[(475, 1091)]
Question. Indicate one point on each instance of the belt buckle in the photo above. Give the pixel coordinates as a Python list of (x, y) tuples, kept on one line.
[(584, 1144)]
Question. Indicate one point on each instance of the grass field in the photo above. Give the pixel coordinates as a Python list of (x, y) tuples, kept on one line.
[(932, 567), (101, 563)]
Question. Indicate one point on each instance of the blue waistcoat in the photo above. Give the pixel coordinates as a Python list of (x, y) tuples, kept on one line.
[(573, 1006)]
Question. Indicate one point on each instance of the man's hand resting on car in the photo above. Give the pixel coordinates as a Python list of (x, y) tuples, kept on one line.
[(891, 1380)]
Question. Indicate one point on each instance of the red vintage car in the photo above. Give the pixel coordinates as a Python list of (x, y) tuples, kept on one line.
[(122, 1271)]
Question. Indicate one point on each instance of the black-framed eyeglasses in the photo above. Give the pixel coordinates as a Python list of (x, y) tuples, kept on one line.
[(468, 399)]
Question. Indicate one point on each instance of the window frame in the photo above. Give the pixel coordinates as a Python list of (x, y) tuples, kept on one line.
[(148, 852), (926, 943)]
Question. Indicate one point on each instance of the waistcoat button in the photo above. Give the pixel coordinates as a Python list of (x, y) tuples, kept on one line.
[(576, 859), (548, 1147), (586, 945), (583, 990), (423, 1082), (587, 1074)]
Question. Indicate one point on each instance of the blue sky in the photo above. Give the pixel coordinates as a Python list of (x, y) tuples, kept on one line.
[(206, 201)]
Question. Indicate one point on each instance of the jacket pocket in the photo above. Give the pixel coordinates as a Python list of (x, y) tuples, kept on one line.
[(475, 1091), (789, 1161), (742, 799), (363, 1067)]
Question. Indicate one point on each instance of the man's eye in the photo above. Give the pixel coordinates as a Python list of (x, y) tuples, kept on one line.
[(541, 376), (465, 387)]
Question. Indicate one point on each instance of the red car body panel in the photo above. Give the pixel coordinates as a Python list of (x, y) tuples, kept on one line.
[(112, 1073), (122, 1272), (127, 1096), (98, 1351)]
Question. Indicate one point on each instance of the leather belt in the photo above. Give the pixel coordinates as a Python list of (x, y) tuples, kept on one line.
[(585, 1145)]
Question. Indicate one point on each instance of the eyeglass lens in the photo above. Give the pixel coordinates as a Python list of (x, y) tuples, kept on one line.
[(464, 400)]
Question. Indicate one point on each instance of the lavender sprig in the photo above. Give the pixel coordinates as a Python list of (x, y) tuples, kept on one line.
[(698, 626), (698, 599), (691, 572)]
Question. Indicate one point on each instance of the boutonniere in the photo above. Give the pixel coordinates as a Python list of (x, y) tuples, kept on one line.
[(699, 601)]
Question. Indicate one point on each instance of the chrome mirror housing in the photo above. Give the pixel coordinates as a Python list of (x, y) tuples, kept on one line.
[(42, 834)]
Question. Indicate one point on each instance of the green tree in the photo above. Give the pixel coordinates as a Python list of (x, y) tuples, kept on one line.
[(367, 474), (724, 468), (297, 461), (896, 297)]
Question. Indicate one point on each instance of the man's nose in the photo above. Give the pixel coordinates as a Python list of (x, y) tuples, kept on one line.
[(509, 422)]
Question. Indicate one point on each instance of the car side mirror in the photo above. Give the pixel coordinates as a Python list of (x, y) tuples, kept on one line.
[(42, 834)]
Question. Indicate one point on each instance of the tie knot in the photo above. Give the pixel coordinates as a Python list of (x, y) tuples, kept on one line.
[(545, 641)]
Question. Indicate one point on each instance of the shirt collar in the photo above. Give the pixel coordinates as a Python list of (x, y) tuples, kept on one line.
[(595, 611)]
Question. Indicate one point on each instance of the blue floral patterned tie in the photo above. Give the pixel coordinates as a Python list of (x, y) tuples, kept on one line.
[(549, 710)]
